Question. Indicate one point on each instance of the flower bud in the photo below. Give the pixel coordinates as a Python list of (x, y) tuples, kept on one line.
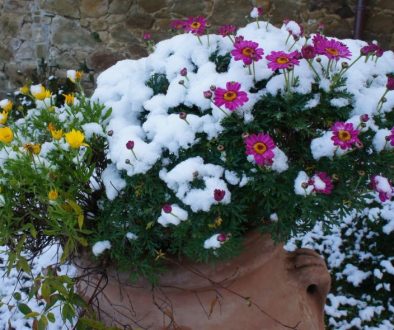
[(208, 94), (181, 82), (127, 161), (364, 118), (110, 133), (167, 208), (222, 237), (183, 72), (212, 88), (182, 115), (195, 174), (245, 135), (130, 145), (218, 195), (318, 59), (345, 65), (305, 185), (220, 147)]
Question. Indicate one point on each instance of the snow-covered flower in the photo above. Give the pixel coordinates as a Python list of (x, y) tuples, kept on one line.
[(6, 105), (260, 146), (256, 12), (247, 51), (322, 183), (344, 135), (231, 97), (295, 29), (383, 187), (218, 194), (281, 60)]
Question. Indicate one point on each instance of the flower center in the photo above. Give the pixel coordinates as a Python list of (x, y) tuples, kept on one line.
[(332, 51), (344, 135), (247, 51), (260, 148), (195, 25), (230, 96), (282, 60)]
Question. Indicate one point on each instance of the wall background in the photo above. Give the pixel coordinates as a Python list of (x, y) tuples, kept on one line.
[(70, 34)]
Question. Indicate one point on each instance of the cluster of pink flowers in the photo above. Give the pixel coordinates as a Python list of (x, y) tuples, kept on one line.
[(331, 48), (372, 50), (261, 147), (282, 60), (344, 135), (322, 183), (383, 187), (247, 51), (231, 97), (196, 25), (227, 30)]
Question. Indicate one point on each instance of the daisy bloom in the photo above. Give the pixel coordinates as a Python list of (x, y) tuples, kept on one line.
[(247, 51), (196, 25), (69, 99), (390, 83), (40, 92), (372, 49), (322, 183), (6, 105), (308, 52), (231, 97), (75, 139), (260, 146), (74, 75), (282, 60), (24, 90), (227, 30), (333, 49), (6, 135), (32, 148), (177, 24), (56, 134), (344, 135)]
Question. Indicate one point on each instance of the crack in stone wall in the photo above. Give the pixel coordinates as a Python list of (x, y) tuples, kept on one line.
[(70, 34)]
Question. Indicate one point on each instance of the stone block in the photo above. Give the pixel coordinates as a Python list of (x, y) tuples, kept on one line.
[(152, 6), (68, 8), (119, 6), (67, 33), (230, 12), (5, 54), (138, 19), (10, 24), (103, 59), (93, 8), (192, 7)]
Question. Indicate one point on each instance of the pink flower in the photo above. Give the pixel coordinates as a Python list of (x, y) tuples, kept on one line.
[(177, 24), (390, 83), (391, 137), (231, 97), (322, 183), (147, 36), (183, 72), (382, 186), (196, 25), (261, 147), (308, 52), (167, 208), (372, 49), (333, 49), (226, 30), (218, 194), (222, 237), (282, 60), (247, 51), (130, 145), (344, 135)]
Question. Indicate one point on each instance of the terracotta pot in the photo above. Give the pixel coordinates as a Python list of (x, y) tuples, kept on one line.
[(263, 288)]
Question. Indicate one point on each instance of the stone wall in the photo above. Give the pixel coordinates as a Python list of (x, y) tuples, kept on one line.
[(54, 35)]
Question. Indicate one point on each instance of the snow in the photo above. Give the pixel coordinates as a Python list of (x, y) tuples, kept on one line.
[(212, 242), (302, 179), (131, 236), (112, 181), (99, 247), (174, 217), (91, 129)]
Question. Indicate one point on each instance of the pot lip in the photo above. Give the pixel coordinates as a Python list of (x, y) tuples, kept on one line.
[(188, 275)]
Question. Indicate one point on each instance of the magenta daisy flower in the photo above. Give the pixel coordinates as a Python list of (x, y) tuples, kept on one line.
[(333, 49), (177, 24), (282, 60), (227, 30), (344, 135), (231, 97), (372, 49), (322, 183), (308, 52), (196, 25), (247, 51), (390, 82), (260, 146)]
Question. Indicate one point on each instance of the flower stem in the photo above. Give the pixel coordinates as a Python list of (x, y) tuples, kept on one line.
[(254, 72), (314, 70), (380, 103)]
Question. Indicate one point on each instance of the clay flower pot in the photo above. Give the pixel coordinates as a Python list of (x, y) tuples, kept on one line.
[(263, 288)]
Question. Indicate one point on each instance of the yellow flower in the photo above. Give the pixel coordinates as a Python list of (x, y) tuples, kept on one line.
[(78, 75), (74, 75), (24, 90), (69, 99), (53, 195), (75, 139), (6, 105), (32, 148), (56, 134), (6, 135), (3, 117), (41, 93)]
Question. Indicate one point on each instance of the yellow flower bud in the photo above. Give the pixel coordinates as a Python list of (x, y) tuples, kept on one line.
[(56, 134), (24, 90), (40, 93), (6, 105), (53, 195), (3, 117), (6, 135), (69, 99)]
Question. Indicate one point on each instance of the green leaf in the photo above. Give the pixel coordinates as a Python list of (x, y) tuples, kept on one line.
[(24, 309), (17, 296), (51, 317)]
